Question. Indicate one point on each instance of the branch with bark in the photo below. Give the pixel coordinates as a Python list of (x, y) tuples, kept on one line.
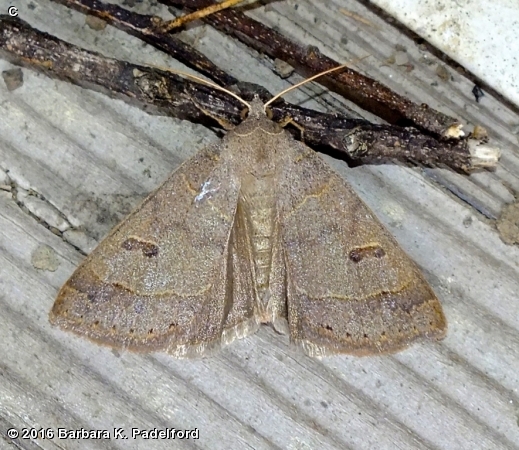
[(169, 94)]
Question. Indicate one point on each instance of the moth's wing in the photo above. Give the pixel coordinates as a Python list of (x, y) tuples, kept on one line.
[(242, 318), (163, 278), (350, 287)]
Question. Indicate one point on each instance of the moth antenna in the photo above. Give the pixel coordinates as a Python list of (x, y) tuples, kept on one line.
[(295, 86), (200, 80)]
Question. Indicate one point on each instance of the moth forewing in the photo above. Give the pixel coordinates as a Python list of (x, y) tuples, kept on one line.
[(159, 280)]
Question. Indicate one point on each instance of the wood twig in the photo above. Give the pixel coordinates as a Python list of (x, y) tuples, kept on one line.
[(147, 28), (170, 94), (366, 92), (199, 14)]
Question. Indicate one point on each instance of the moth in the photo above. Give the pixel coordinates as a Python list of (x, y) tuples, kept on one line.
[(254, 229)]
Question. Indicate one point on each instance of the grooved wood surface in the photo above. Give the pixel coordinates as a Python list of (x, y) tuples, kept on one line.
[(78, 161)]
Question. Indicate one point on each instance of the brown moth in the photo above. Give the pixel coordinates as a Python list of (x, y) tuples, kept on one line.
[(254, 229)]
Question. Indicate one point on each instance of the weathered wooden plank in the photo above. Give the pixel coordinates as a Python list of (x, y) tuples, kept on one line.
[(81, 152)]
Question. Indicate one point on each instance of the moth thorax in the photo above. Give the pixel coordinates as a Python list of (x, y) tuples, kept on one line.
[(259, 206)]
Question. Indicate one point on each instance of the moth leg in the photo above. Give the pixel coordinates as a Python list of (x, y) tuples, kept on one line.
[(290, 121)]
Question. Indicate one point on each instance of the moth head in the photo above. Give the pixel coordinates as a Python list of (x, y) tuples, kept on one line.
[(257, 108)]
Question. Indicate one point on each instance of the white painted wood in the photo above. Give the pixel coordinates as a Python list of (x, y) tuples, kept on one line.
[(480, 35)]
